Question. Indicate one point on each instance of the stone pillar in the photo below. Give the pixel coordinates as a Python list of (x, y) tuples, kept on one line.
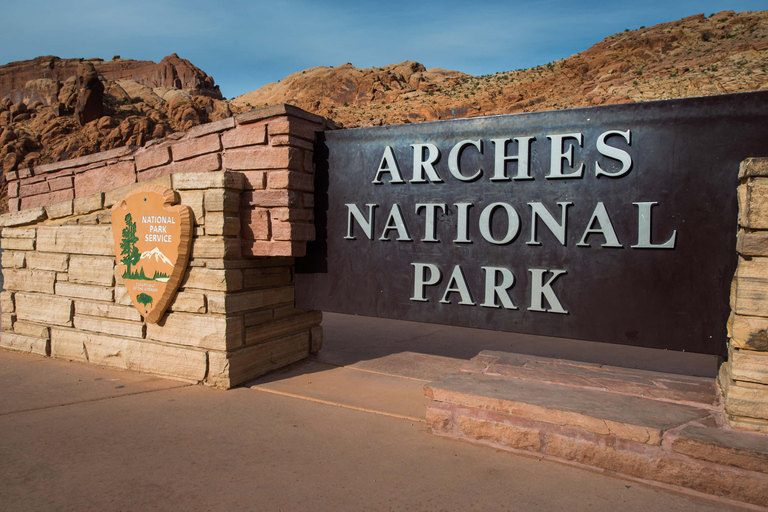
[(744, 377)]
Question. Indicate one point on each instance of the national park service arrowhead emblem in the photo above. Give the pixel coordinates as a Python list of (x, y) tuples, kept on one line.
[(153, 237)]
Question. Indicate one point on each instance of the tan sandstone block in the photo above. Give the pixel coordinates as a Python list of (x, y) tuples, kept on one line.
[(284, 327), (268, 277), (207, 180), (751, 287), (753, 167), (14, 259), (748, 332), (748, 402), (170, 361), (91, 240), (222, 200), (203, 331), (283, 157), (107, 310), (216, 248), (29, 280), (754, 243), (109, 326), (7, 320), (60, 209), (194, 199), (29, 329), (215, 280), (17, 244), (500, 433), (90, 203), (92, 270), (43, 309), (749, 366), (23, 217), (118, 194), (85, 291), (48, 261), (89, 347), (23, 343), (188, 302), (252, 300), (7, 304), (218, 224), (19, 232), (753, 204)]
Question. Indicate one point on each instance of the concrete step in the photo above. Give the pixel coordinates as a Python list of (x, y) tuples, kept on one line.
[(638, 424)]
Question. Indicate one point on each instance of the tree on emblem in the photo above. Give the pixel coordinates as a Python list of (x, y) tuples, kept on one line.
[(128, 251)]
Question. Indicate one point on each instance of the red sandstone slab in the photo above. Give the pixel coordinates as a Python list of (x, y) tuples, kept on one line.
[(601, 412), (745, 450), (643, 383)]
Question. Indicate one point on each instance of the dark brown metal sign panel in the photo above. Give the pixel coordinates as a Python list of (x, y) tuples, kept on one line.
[(614, 224)]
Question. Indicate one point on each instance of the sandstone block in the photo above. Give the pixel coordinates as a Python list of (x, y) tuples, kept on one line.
[(218, 224), (189, 302), (292, 231), (171, 361), (109, 326), (269, 277), (105, 178), (284, 327), (29, 280), (500, 433), (19, 233), (248, 135), (92, 270), (7, 320), (122, 297), (29, 329), (6, 302), (749, 366), (206, 180), (14, 259), (748, 332), (255, 223), (13, 189), (196, 147), (47, 261), (204, 331), (216, 248), (255, 299), (87, 204), (228, 370), (276, 248), (215, 280), (23, 343), (293, 180), (222, 200), (315, 339), (108, 310), (85, 291), (299, 128), (46, 199), (34, 189), (751, 283), (272, 198), (257, 317), (721, 446), (17, 244), (214, 127), (205, 163), (753, 204), (60, 209), (254, 180), (118, 194), (63, 183), (91, 240), (283, 157), (194, 199), (753, 167), (289, 140), (45, 309), (152, 157), (752, 244), (748, 402)]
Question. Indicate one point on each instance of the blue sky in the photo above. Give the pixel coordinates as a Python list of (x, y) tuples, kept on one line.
[(246, 44)]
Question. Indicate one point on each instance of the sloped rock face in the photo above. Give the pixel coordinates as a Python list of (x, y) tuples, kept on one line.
[(724, 53)]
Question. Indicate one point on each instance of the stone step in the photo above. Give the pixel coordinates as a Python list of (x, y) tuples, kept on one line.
[(600, 412), (642, 383), (649, 426)]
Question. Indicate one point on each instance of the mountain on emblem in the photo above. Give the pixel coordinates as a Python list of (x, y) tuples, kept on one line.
[(158, 256)]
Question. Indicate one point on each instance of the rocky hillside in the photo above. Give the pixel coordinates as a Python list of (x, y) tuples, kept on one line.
[(696, 56)]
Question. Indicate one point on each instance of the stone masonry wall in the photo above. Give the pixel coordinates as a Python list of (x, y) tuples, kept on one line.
[(744, 377), (249, 181), (232, 320), (272, 148)]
